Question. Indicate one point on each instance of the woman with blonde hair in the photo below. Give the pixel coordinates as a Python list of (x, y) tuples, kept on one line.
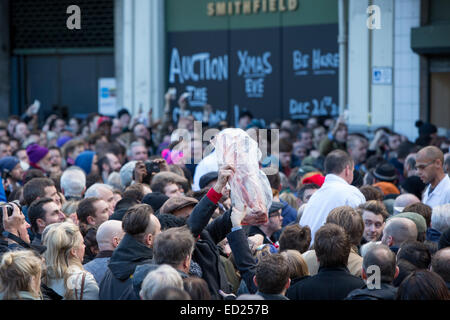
[(20, 276), (64, 256)]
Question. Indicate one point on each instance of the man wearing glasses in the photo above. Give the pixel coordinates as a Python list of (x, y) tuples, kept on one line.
[(429, 165)]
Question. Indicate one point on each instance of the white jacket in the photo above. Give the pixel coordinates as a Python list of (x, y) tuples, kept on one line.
[(335, 192)]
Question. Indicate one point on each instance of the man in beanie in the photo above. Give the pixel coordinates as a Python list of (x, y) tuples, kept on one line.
[(12, 173), (39, 157)]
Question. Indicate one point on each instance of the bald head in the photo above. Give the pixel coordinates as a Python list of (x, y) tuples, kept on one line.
[(404, 200), (431, 153), (399, 230), (109, 235), (430, 165)]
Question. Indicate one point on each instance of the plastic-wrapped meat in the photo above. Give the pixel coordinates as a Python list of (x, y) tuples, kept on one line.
[(249, 185)]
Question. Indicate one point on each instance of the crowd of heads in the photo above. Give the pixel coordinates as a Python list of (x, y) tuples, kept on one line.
[(80, 190)]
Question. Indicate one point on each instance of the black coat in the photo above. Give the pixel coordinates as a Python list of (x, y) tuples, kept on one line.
[(117, 283), (327, 284), (206, 253), (243, 258), (386, 292)]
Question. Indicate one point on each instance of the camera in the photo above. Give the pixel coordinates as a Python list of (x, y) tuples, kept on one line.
[(10, 208), (151, 167)]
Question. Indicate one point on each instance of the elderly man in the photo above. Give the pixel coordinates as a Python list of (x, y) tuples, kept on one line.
[(73, 183), (335, 192), (429, 164), (103, 192)]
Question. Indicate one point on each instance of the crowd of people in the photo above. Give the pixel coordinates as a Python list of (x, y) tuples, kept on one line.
[(113, 208)]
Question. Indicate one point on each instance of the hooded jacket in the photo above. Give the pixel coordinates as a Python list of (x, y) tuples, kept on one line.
[(117, 282)]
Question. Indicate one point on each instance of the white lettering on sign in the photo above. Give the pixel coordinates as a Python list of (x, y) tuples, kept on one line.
[(316, 63), (315, 107), (198, 67), (254, 69)]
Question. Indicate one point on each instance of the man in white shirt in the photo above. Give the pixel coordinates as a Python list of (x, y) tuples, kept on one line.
[(430, 167), (336, 191)]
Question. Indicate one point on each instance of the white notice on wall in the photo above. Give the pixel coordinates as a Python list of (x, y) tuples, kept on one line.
[(107, 96), (382, 75)]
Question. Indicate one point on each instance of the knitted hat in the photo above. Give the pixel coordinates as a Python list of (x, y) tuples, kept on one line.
[(36, 152), (103, 120), (61, 141), (385, 172), (84, 161), (419, 220), (155, 200), (317, 179), (126, 173), (387, 188), (7, 164)]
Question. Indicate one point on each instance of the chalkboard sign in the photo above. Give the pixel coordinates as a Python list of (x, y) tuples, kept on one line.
[(199, 65), (285, 73), (310, 71), (255, 71)]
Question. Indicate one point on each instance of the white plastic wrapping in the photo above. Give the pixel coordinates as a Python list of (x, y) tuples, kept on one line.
[(249, 185)]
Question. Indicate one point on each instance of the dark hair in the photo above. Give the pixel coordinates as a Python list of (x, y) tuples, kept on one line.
[(90, 241), (274, 180), (422, 209), (423, 285), (295, 237), (173, 245), (197, 288), (285, 145), (272, 273), (385, 259), (135, 191), (416, 253), (35, 188), (349, 219), (371, 193), (303, 188), (93, 178), (440, 263), (336, 161), (332, 246), (136, 221), (405, 269), (36, 211), (86, 208)]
